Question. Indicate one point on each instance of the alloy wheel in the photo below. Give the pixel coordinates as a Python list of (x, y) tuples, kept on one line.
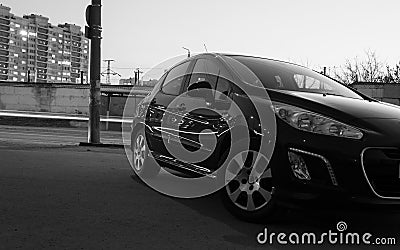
[(139, 152), (249, 181)]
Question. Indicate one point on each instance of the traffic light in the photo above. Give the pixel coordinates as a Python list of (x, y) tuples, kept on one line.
[(93, 20)]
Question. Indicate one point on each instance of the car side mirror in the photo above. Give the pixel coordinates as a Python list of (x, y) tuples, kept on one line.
[(201, 89)]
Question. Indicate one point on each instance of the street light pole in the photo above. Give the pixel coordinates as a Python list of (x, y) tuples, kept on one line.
[(188, 51), (93, 32)]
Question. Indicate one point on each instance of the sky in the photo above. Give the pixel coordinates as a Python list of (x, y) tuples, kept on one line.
[(144, 33)]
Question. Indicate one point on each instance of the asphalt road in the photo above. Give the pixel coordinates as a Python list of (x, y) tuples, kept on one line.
[(70, 197), (53, 136)]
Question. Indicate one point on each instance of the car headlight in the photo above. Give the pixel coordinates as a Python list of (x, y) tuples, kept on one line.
[(312, 122)]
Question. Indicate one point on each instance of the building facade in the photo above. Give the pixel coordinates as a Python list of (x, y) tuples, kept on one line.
[(32, 49)]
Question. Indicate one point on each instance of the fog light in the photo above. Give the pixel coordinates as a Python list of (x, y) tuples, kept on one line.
[(299, 166)]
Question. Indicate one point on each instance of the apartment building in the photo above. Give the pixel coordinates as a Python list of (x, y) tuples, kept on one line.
[(32, 49)]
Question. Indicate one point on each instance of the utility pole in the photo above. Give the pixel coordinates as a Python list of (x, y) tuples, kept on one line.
[(81, 77), (137, 76), (108, 72), (93, 32)]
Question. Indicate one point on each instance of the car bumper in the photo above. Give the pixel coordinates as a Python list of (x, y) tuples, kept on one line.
[(342, 172)]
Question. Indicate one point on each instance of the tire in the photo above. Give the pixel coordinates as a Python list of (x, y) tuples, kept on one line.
[(142, 164), (249, 195)]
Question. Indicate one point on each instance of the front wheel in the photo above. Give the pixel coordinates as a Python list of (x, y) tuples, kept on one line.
[(142, 165), (249, 192)]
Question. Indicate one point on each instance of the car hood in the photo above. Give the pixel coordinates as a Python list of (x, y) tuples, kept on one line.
[(357, 108)]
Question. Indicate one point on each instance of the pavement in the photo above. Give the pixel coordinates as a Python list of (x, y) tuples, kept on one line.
[(50, 136), (62, 196)]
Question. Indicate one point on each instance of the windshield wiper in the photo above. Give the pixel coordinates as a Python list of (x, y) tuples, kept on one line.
[(326, 93)]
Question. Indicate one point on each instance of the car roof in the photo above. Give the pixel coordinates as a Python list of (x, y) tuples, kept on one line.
[(241, 55)]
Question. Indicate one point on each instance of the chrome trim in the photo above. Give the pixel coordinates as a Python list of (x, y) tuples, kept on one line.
[(327, 163), (183, 116), (178, 138), (365, 173), (190, 166)]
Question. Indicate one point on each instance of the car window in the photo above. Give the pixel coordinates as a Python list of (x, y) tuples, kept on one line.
[(208, 70), (173, 81), (223, 88), (286, 76), (307, 82), (204, 70)]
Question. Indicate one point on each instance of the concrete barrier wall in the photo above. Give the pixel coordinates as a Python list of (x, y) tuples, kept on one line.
[(116, 105), (56, 99), (384, 92), (44, 99)]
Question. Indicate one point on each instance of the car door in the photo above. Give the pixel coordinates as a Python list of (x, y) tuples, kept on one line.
[(160, 116), (202, 123)]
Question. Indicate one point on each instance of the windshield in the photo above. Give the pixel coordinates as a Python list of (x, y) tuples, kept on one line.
[(286, 76)]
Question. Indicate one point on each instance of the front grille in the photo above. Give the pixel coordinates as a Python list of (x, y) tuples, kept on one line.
[(381, 167)]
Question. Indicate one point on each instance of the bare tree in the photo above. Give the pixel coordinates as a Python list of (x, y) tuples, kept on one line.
[(392, 75), (369, 69)]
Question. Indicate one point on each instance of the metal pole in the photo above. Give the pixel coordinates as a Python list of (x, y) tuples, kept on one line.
[(108, 108), (95, 61), (81, 77)]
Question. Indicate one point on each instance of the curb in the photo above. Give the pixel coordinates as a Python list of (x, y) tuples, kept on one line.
[(102, 145)]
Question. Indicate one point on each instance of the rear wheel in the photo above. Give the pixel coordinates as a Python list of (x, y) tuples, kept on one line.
[(141, 164), (249, 192)]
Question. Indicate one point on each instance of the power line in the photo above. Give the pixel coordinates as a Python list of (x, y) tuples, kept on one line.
[(108, 72)]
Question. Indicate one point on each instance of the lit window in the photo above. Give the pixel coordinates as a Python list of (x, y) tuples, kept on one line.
[(23, 79), (53, 39), (60, 51), (59, 35), (23, 62), (32, 34), (15, 67), (52, 78), (54, 56), (59, 78), (23, 74), (23, 50), (24, 39), (60, 41), (17, 25), (15, 73), (16, 55), (23, 33), (12, 29), (53, 61), (11, 41), (15, 79), (85, 51)]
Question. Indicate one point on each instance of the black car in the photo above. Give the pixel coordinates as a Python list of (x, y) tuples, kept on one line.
[(325, 142)]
